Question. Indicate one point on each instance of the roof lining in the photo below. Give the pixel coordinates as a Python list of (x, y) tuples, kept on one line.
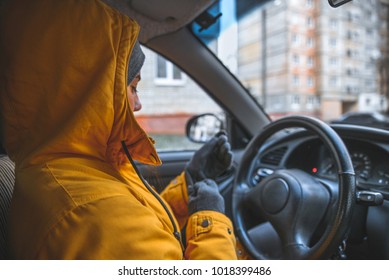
[(154, 24)]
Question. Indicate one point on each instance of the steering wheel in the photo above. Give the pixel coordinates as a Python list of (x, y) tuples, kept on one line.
[(305, 218)]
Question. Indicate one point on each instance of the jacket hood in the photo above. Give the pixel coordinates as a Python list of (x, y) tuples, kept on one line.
[(63, 73)]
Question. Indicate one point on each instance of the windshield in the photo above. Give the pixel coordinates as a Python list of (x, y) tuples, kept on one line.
[(305, 57)]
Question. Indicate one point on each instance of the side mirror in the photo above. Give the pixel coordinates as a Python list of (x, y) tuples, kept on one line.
[(201, 128), (337, 3)]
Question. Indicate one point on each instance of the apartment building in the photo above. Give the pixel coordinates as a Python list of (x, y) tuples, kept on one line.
[(302, 56)]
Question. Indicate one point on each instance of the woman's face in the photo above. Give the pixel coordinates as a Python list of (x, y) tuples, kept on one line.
[(132, 94)]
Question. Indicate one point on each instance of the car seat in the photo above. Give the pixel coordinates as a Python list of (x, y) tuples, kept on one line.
[(7, 181)]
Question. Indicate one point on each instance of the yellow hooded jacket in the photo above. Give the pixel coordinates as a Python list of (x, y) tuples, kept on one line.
[(64, 114)]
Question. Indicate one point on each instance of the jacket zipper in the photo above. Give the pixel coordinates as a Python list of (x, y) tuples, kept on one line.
[(176, 232)]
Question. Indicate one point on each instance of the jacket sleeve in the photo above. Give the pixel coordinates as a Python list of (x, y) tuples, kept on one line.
[(209, 234)]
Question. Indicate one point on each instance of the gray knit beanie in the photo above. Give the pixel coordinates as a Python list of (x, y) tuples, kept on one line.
[(136, 62)]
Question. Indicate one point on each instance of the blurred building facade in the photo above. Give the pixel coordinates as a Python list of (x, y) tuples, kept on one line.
[(293, 56), (302, 56)]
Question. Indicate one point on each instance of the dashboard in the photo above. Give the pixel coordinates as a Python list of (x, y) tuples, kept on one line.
[(370, 162), (369, 155)]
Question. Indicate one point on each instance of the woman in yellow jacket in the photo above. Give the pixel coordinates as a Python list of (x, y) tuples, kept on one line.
[(69, 127)]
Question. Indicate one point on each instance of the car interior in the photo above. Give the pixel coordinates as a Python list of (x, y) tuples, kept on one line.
[(299, 187)]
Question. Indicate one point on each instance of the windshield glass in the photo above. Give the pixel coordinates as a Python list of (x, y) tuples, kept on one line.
[(305, 57)]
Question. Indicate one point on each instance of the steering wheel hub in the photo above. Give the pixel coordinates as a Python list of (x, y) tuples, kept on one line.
[(274, 195)]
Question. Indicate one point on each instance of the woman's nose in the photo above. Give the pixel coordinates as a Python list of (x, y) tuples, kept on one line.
[(137, 104)]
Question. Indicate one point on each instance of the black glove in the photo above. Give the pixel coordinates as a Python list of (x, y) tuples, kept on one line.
[(204, 195), (211, 160)]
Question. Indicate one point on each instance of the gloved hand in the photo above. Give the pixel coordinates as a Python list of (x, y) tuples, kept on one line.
[(204, 195), (211, 160)]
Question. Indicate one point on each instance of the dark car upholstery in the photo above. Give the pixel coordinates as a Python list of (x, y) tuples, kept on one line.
[(7, 180)]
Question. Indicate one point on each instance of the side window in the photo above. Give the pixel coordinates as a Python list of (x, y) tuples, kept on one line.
[(168, 74), (169, 99)]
